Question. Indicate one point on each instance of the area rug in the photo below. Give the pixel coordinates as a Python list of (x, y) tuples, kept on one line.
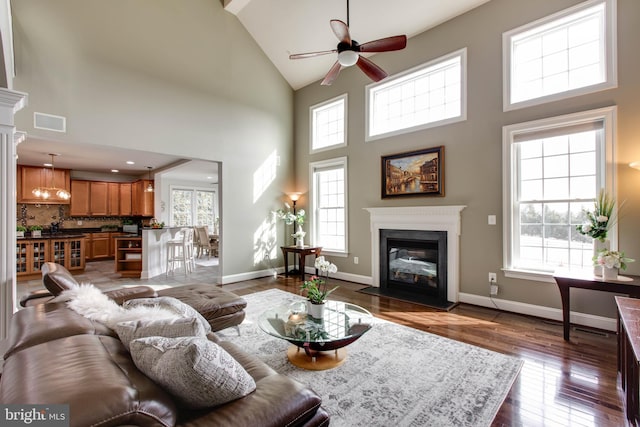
[(393, 376)]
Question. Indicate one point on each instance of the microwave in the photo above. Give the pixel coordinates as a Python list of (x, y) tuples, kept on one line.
[(130, 228)]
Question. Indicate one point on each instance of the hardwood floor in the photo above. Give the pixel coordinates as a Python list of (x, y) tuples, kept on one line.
[(561, 384)]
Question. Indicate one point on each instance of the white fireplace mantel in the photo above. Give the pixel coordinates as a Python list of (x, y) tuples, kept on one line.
[(427, 218)]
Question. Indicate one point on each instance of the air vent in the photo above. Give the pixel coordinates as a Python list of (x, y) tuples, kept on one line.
[(49, 122)]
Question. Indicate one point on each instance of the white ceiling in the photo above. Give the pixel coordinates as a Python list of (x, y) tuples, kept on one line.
[(283, 27), (280, 27)]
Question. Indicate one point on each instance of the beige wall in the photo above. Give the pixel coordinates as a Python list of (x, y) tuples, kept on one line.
[(473, 151), (174, 77)]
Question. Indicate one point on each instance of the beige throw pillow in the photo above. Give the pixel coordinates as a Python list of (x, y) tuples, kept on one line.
[(198, 372), (169, 328)]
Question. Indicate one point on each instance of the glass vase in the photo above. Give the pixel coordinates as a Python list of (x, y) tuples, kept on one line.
[(599, 245)]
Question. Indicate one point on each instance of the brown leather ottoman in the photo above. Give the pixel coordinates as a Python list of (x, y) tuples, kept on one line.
[(221, 308)]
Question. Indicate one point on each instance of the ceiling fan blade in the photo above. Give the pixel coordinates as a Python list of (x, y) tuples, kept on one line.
[(385, 45), (341, 31), (311, 54), (374, 72), (332, 74)]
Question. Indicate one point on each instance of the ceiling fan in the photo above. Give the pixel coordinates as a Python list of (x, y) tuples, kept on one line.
[(349, 52)]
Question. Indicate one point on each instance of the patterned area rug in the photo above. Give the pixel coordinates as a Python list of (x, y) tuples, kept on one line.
[(394, 375)]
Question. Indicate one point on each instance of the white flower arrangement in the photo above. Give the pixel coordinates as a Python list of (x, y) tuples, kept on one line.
[(611, 259), (299, 234), (325, 266), (289, 217)]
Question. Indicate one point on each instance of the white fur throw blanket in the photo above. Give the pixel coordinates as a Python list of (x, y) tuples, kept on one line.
[(90, 302)]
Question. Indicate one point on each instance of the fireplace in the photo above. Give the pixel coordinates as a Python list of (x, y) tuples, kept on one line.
[(414, 263), (441, 224)]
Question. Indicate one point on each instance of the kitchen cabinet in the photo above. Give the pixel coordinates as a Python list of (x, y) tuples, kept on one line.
[(113, 199), (142, 202), (32, 253), (125, 199), (30, 177), (98, 198), (69, 252), (99, 246), (80, 197), (129, 256)]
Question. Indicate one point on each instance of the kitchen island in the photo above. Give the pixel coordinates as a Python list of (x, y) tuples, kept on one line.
[(154, 250)]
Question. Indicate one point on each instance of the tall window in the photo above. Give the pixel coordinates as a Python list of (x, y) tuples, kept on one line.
[(329, 124), (553, 171), (566, 54), (430, 95), (193, 207), (329, 226)]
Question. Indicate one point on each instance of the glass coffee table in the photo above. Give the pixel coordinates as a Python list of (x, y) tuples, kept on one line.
[(317, 344)]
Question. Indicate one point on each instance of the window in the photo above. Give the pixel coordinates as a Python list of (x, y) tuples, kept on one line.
[(566, 54), (329, 124), (193, 207), (553, 171), (430, 95), (329, 183)]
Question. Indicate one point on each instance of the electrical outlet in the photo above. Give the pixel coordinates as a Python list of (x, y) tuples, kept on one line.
[(492, 278), (493, 290), (355, 260), (79, 222)]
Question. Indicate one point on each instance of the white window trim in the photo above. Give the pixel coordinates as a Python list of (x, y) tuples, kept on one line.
[(342, 161), (608, 176), (462, 53), (611, 61), (216, 210), (312, 109)]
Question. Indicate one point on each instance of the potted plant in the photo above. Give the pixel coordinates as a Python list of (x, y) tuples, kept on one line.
[(611, 262), (20, 229), (36, 230), (316, 288)]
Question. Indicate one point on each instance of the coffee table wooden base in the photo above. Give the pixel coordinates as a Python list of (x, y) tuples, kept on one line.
[(319, 361)]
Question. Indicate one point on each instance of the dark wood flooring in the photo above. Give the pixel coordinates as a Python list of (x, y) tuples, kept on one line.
[(561, 383)]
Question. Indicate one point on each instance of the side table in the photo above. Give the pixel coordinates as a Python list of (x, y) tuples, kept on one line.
[(302, 254)]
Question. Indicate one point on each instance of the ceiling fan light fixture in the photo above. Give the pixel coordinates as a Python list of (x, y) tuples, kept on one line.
[(348, 58)]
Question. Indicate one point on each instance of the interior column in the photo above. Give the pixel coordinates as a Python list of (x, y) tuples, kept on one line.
[(10, 103)]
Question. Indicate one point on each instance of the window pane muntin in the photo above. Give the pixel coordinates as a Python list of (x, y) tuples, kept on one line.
[(329, 198), (418, 99), (328, 124)]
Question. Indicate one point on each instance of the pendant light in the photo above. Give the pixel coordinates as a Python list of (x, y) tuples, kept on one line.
[(149, 188), (46, 192)]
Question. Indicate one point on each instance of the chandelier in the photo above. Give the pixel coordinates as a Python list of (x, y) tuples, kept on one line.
[(46, 192)]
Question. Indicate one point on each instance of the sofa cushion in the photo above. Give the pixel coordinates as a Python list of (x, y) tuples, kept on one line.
[(94, 375), (48, 322), (56, 278), (198, 372), (171, 304), (169, 328)]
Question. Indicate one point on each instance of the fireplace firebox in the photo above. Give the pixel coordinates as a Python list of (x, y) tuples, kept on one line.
[(413, 265)]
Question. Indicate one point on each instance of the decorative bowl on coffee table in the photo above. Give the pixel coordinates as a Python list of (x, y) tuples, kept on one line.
[(317, 344)]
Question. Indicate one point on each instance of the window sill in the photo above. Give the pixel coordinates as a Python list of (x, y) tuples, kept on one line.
[(333, 253), (536, 276)]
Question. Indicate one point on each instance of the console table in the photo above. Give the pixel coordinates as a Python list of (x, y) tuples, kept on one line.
[(629, 354), (302, 254), (585, 280)]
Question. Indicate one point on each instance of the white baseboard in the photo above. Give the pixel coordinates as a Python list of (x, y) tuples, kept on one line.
[(584, 319), (232, 278)]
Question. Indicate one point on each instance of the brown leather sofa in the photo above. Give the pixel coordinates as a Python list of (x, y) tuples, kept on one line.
[(57, 356)]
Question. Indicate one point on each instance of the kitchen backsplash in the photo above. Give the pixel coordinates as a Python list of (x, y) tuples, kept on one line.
[(44, 215)]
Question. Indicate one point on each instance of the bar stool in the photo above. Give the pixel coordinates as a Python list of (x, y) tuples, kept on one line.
[(180, 252)]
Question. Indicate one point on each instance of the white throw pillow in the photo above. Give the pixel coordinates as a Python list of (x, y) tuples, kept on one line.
[(169, 328), (198, 372), (172, 304)]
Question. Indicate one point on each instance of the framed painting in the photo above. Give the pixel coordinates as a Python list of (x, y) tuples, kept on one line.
[(416, 173)]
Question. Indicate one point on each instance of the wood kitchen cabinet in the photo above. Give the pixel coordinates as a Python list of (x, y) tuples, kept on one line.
[(30, 255), (69, 252), (99, 246), (125, 199), (129, 256), (113, 198), (30, 177), (98, 198), (142, 202), (80, 197)]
